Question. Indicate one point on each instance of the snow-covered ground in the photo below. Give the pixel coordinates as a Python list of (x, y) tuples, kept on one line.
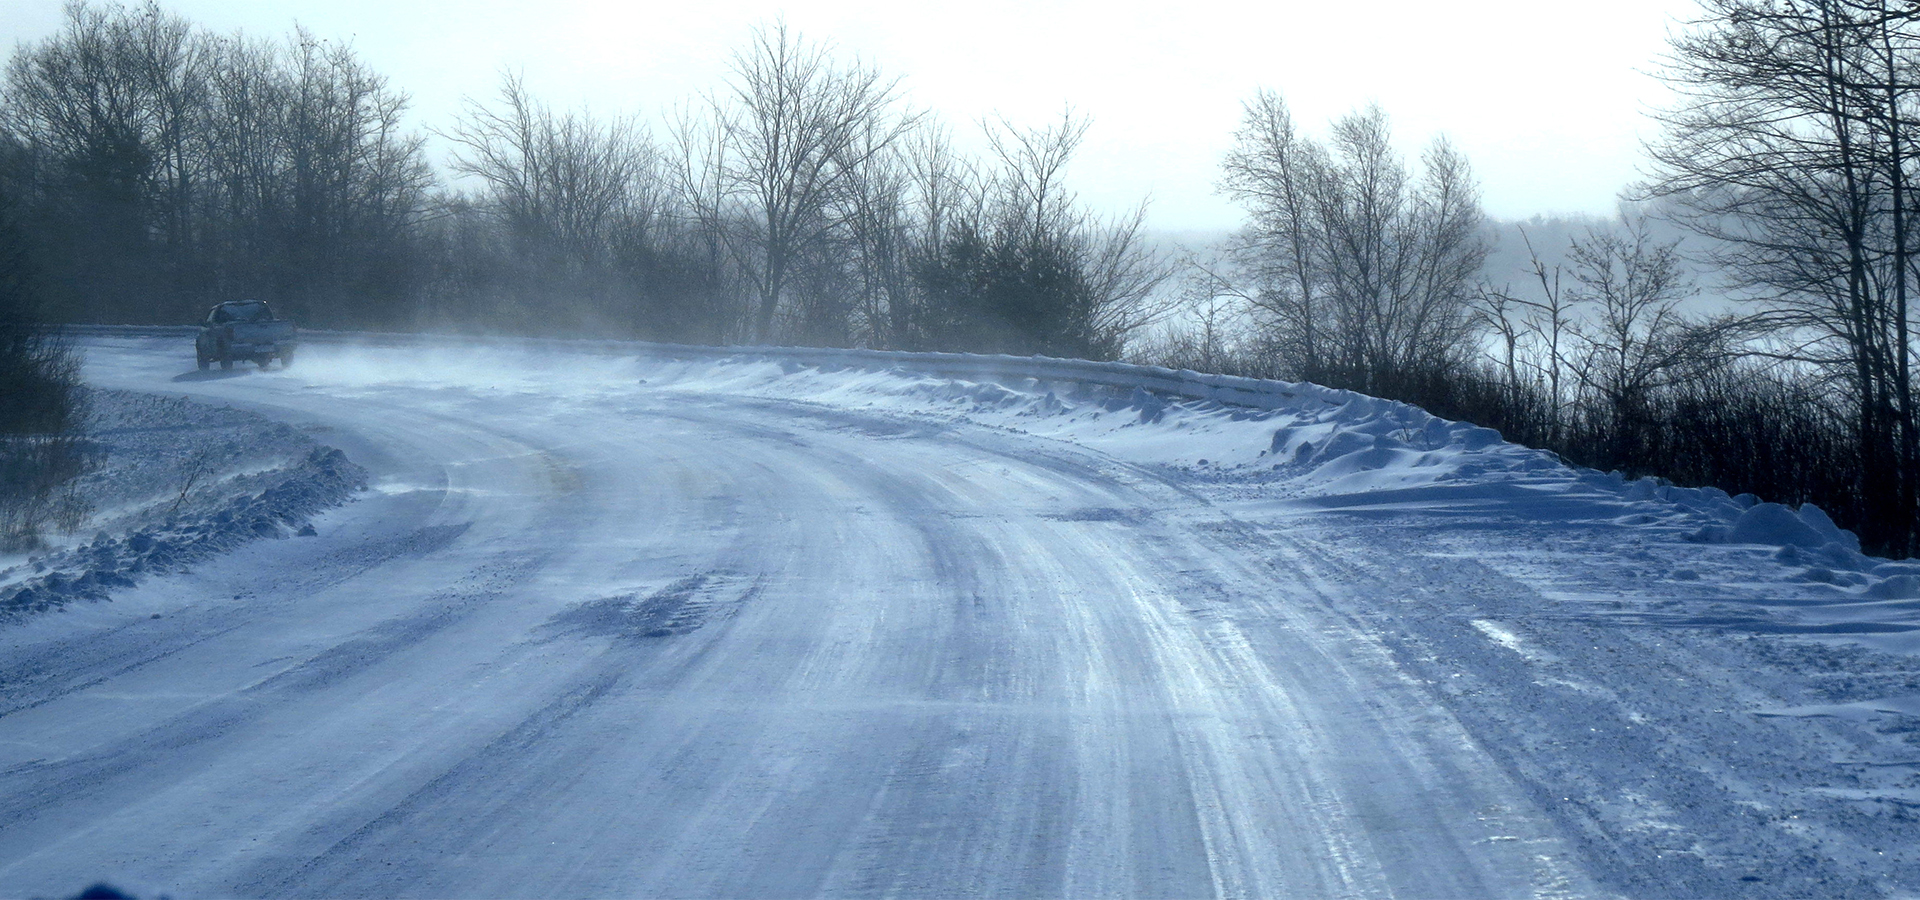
[(174, 482), (631, 622)]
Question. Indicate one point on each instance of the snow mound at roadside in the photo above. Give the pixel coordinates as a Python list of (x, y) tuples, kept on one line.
[(1801, 534), (1340, 447), (1320, 440), (92, 571), (180, 483)]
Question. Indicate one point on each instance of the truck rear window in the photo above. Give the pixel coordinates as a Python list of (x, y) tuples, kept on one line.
[(241, 312)]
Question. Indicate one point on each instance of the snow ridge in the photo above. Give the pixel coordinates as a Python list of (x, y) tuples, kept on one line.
[(180, 483), (1330, 448)]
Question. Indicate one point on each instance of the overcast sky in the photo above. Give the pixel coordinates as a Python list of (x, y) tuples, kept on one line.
[(1547, 99)]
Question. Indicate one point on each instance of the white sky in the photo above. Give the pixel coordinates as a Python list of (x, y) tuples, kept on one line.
[(1546, 97)]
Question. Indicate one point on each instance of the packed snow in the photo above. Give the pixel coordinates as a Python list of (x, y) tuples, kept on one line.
[(1305, 642)]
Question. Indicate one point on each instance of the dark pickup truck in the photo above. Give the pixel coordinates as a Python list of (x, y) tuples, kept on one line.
[(245, 329)]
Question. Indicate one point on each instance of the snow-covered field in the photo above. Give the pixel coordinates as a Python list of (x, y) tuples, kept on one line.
[(621, 623)]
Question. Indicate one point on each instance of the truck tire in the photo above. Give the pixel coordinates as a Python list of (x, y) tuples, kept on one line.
[(202, 359), (226, 363), (286, 359)]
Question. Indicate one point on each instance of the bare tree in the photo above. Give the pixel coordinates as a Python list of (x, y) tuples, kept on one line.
[(1121, 274), (1791, 144), (1269, 170), (696, 212), (567, 182), (1032, 162), (1638, 339), (246, 198), (1124, 274), (1205, 332), (356, 183), (1364, 271), (1535, 339), (1022, 267), (944, 190), (880, 237), (796, 126), (116, 101)]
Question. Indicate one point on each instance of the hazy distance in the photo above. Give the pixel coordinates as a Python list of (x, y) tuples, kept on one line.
[(1547, 100)]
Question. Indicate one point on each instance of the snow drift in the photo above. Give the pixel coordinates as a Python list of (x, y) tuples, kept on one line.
[(178, 483)]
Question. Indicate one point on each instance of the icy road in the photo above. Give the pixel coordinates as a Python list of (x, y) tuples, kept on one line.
[(610, 626)]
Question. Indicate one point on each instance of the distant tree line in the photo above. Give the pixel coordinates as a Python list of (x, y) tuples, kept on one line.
[(1792, 153), (159, 167)]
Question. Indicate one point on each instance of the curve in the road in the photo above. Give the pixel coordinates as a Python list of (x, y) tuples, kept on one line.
[(586, 642)]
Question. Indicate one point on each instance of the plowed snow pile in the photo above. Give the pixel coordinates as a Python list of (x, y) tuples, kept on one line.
[(1337, 449), (177, 482)]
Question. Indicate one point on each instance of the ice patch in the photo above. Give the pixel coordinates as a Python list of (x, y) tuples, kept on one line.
[(1506, 637)]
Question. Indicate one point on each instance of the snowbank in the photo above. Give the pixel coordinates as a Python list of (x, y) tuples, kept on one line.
[(1324, 448), (1285, 442), (179, 482), (1303, 438)]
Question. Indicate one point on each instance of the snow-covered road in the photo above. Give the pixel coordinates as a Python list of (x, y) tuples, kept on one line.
[(614, 628)]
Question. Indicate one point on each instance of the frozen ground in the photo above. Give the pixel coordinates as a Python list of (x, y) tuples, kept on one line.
[(615, 624)]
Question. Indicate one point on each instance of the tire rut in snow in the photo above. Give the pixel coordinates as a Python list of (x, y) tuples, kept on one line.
[(332, 858), (67, 787), (679, 608), (1599, 722), (34, 677)]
